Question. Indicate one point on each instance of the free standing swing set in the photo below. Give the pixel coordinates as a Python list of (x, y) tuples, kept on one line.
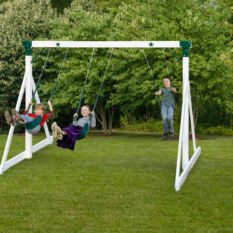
[(185, 158)]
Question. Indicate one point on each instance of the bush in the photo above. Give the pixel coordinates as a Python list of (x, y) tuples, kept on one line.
[(145, 126), (156, 126), (215, 130)]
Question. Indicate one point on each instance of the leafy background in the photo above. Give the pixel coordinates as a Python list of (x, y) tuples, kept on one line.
[(127, 97)]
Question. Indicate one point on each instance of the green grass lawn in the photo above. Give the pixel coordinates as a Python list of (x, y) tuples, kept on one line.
[(123, 183)]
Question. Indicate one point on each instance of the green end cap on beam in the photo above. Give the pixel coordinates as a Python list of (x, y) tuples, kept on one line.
[(185, 45), (28, 47)]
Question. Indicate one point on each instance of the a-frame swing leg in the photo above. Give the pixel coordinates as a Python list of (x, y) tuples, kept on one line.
[(28, 84), (49, 139), (184, 161), (18, 158), (28, 95)]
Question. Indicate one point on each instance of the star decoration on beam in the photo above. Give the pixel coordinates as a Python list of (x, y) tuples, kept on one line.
[(57, 44), (151, 44)]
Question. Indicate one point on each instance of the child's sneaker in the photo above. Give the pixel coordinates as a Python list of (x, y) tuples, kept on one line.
[(8, 117), (53, 128), (60, 135), (56, 131), (15, 115), (59, 132), (164, 137), (171, 134)]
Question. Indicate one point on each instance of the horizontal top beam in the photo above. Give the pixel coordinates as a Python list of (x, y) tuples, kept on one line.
[(106, 44)]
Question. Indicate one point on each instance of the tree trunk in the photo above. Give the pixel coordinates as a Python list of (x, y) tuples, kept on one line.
[(196, 116), (101, 118), (110, 119)]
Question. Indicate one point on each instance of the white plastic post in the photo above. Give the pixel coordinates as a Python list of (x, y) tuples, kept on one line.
[(28, 136), (183, 157), (6, 150), (185, 143), (10, 134), (179, 154), (22, 89), (192, 119)]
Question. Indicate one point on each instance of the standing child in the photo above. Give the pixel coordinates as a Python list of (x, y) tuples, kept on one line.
[(77, 130), (167, 107), (33, 121)]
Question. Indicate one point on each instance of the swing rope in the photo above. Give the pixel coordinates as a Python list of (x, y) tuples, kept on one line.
[(148, 64), (151, 72), (103, 79), (57, 79), (41, 74), (31, 125), (166, 63), (178, 58), (85, 81), (168, 71), (37, 55)]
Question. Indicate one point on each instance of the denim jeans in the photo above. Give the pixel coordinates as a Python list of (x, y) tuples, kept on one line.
[(167, 112), (26, 118)]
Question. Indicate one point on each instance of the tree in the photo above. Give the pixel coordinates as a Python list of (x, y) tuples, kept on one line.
[(30, 22), (82, 22), (130, 84)]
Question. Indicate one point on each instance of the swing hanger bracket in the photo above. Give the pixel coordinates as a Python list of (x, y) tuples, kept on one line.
[(185, 45), (27, 47)]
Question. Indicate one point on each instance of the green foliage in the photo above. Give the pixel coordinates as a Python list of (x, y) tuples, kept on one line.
[(30, 22), (129, 84), (130, 80), (217, 130), (150, 126), (80, 22), (60, 5), (155, 126)]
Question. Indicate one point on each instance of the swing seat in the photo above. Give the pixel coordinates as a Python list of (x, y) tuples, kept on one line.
[(84, 132), (33, 124)]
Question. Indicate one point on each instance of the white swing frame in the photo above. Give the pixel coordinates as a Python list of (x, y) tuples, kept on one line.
[(185, 162)]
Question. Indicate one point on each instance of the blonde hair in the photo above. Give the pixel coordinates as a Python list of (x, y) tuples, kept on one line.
[(39, 106)]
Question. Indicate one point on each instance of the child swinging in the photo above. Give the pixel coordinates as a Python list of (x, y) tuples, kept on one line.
[(66, 137), (167, 107), (33, 121), (79, 128)]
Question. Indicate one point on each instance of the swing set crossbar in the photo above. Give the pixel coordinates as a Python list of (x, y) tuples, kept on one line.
[(105, 44)]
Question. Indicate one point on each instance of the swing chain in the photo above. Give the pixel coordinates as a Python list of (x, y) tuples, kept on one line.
[(148, 64), (57, 79), (103, 79), (85, 81), (166, 63), (150, 69), (41, 74)]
